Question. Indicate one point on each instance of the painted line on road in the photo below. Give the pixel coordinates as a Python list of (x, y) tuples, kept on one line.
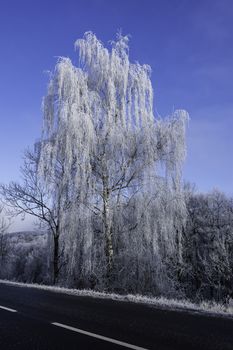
[(7, 309), (110, 340)]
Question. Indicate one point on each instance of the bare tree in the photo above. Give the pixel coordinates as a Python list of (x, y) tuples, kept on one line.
[(30, 197)]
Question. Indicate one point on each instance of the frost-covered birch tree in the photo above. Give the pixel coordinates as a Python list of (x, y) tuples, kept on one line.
[(121, 167)]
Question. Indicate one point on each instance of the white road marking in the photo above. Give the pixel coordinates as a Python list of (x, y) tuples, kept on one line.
[(110, 340), (7, 309)]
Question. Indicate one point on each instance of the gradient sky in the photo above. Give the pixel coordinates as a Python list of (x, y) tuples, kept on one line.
[(188, 44)]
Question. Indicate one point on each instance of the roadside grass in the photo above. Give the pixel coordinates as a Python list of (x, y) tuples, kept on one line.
[(205, 307)]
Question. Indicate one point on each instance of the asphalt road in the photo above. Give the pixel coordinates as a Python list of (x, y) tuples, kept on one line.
[(29, 324)]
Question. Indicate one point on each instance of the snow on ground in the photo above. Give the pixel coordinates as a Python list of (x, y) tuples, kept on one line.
[(205, 307)]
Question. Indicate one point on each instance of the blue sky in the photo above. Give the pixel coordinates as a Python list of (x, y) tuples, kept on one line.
[(188, 44)]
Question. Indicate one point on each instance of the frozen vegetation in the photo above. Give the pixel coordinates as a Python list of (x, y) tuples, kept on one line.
[(23, 256), (208, 308), (105, 183)]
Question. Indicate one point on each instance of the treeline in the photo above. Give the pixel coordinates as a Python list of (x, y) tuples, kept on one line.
[(23, 257), (205, 271)]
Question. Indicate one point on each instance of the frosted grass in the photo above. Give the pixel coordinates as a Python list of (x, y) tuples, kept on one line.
[(205, 307)]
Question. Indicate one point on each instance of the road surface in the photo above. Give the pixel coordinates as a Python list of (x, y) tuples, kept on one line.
[(38, 319)]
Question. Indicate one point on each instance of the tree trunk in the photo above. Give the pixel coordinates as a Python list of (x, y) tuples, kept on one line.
[(55, 258), (107, 228)]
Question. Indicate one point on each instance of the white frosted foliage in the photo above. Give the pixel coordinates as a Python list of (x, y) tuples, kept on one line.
[(112, 168)]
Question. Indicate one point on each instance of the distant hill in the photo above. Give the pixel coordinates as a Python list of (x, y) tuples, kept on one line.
[(26, 238), (26, 235)]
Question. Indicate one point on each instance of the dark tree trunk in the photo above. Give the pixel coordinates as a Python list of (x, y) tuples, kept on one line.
[(107, 232), (55, 258)]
